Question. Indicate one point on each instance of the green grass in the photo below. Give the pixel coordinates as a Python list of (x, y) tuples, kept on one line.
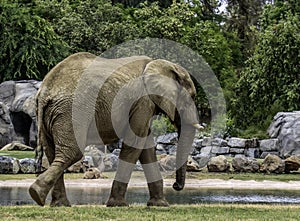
[(18, 154), (137, 212)]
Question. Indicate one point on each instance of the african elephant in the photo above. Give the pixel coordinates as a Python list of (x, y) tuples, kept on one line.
[(85, 91)]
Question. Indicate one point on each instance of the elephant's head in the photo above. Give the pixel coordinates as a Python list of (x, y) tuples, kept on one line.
[(171, 88)]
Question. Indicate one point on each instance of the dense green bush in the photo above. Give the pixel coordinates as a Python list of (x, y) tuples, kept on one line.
[(271, 80), (29, 45)]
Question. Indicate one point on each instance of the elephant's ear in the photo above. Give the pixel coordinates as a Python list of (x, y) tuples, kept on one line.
[(162, 81)]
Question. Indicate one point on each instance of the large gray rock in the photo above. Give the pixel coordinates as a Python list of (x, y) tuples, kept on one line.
[(9, 165), (269, 145), (19, 97), (27, 165), (97, 157), (7, 92), (236, 142), (6, 127), (286, 128), (202, 160), (170, 138), (111, 162)]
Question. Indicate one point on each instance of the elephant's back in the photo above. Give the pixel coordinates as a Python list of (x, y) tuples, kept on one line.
[(62, 80)]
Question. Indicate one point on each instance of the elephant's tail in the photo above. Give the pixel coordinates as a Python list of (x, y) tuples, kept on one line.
[(39, 151)]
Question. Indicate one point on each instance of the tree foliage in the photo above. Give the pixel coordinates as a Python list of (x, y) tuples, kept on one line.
[(29, 45), (252, 46), (271, 80)]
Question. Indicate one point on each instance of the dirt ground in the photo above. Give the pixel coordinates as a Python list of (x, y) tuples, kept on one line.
[(190, 183)]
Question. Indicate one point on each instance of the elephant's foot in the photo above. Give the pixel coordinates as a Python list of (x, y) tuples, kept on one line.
[(112, 202), (156, 194), (60, 202), (38, 193), (158, 202), (117, 195)]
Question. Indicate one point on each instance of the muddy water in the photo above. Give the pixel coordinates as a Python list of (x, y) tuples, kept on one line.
[(139, 195)]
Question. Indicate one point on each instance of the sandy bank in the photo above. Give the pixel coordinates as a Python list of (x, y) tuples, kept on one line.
[(190, 183)]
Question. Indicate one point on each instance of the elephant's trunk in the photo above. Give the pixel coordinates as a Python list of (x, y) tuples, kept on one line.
[(180, 178), (186, 137)]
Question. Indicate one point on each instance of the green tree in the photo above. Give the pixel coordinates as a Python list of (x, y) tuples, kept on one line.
[(242, 18), (29, 45), (271, 81), (137, 3)]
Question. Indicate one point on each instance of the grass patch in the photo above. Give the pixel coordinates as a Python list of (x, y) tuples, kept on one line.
[(178, 212), (17, 154)]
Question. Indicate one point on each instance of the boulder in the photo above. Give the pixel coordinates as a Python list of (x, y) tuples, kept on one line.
[(292, 164), (237, 151), (210, 141), (7, 92), (273, 164), (264, 154), (167, 162), (245, 164), (235, 142), (192, 165), (286, 128), (19, 97), (92, 173), (27, 165), (76, 167), (23, 111), (206, 151), (268, 145), (160, 149), (7, 132), (197, 143), (96, 155), (113, 146), (220, 150), (218, 164), (9, 165), (202, 160), (169, 138), (111, 162), (252, 152)]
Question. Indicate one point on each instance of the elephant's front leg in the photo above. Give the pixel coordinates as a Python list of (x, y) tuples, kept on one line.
[(127, 160), (154, 179)]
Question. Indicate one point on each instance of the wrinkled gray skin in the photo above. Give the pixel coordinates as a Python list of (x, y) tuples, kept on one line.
[(56, 123)]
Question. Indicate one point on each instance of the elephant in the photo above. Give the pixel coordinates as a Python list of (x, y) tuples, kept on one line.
[(86, 91)]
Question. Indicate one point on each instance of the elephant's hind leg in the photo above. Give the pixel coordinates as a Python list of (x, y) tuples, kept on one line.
[(66, 152), (59, 195)]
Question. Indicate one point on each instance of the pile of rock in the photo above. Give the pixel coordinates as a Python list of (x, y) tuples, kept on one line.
[(18, 130), (271, 164)]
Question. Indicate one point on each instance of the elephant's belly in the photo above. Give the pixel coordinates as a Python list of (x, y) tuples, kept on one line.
[(101, 134)]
